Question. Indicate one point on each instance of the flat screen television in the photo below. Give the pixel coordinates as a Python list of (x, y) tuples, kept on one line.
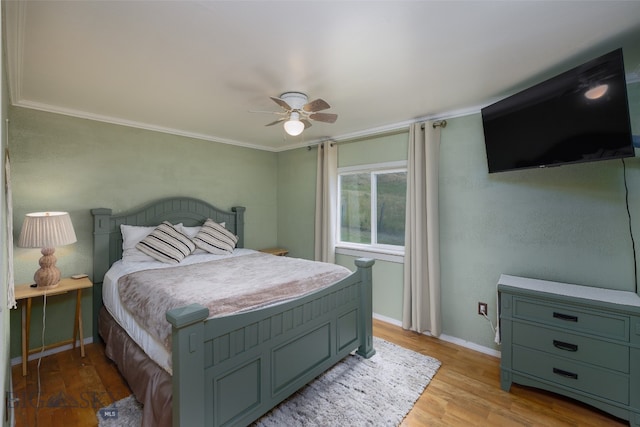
[(581, 115)]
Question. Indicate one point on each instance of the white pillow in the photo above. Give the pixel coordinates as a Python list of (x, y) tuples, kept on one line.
[(131, 236)]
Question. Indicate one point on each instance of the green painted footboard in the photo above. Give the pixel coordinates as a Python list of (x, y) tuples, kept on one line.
[(233, 369)]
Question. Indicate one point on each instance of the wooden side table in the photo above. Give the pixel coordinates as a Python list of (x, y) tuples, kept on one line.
[(27, 293), (275, 251)]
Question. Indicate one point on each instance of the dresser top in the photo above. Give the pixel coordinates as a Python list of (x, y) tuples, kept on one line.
[(612, 296)]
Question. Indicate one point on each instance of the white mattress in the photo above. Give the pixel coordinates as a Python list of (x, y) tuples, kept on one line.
[(111, 299)]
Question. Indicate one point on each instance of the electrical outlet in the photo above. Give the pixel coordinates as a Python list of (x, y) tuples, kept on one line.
[(482, 308)]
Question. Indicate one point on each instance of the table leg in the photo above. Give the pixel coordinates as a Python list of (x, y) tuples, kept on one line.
[(77, 325), (26, 329)]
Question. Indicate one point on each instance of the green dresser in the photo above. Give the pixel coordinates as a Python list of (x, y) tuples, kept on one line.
[(578, 341)]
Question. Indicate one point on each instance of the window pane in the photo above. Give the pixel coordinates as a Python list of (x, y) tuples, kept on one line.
[(391, 201), (355, 206)]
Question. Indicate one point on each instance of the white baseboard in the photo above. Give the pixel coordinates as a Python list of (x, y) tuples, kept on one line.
[(454, 340), (471, 345), (36, 355)]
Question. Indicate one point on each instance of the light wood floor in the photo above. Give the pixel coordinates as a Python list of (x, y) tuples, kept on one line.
[(465, 391)]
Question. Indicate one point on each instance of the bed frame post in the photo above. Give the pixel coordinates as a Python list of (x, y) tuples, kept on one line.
[(101, 264), (239, 210), (188, 364), (365, 265)]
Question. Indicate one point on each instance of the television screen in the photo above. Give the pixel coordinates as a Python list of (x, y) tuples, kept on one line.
[(581, 115)]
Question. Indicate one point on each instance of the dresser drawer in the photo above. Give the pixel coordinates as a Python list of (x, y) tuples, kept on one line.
[(575, 347), (589, 379), (572, 318)]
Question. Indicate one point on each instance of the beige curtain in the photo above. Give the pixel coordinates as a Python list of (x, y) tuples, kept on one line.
[(11, 297), (326, 202), (421, 302)]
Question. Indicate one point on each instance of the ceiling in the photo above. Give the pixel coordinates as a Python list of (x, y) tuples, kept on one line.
[(198, 68)]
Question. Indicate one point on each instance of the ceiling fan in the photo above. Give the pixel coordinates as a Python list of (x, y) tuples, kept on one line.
[(298, 111)]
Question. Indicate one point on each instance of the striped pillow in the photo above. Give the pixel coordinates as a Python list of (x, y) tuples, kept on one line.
[(166, 244), (214, 238)]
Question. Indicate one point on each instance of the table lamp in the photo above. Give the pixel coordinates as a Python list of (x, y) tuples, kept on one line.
[(46, 230)]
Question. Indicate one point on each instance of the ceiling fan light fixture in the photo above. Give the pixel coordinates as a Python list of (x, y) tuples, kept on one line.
[(294, 126), (298, 112)]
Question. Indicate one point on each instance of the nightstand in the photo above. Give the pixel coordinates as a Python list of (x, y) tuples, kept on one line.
[(275, 251), (27, 293)]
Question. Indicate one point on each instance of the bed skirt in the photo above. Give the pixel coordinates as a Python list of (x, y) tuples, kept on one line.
[(151, 385)]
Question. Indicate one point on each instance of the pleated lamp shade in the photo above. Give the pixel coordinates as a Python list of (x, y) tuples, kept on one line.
[(47, 230)]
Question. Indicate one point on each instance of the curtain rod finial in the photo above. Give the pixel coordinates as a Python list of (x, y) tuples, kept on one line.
[(435, 124)]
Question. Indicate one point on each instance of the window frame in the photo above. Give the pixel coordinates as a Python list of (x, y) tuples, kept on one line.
[(393, 253)]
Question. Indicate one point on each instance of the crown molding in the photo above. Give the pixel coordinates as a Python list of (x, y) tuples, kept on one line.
[(14, 22), (139, 125)]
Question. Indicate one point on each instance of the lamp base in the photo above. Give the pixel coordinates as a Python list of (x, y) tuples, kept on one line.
[(48, 276)]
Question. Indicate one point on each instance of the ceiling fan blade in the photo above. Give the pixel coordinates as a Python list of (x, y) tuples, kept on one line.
[(307, 123), (316, 105), (268, 112), (276, 122), (324, 117), (281, 102)]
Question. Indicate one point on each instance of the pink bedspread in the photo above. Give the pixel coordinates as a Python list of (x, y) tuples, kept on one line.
[(225, 287)]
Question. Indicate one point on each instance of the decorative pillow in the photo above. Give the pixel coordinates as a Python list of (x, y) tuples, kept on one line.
[(166, 244), (191, 232), (131, 236), (215, 238)]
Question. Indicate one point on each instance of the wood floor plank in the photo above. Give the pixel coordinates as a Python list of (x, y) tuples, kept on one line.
[(465, 391), (72, 390)]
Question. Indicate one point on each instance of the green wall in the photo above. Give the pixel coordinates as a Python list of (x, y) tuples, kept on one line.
[(378, 149), (72, 164), (565, 224), (297, 201), (387, 286)]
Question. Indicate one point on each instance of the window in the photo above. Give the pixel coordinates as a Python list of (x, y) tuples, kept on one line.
[(372, 203)]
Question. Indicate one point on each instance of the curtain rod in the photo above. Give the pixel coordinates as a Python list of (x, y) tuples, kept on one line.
[(373, 135), (438, 123)]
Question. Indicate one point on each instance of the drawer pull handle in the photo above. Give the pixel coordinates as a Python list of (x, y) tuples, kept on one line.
[(565, 374), (566, 317), (565, 346)]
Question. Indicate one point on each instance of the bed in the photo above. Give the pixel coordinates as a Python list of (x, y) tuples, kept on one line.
[(232, 369)]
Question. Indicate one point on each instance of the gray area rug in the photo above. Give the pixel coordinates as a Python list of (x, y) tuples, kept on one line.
[(379, 391)]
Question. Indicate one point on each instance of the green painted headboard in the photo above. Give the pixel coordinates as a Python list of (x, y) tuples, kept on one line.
[(107, 238)]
